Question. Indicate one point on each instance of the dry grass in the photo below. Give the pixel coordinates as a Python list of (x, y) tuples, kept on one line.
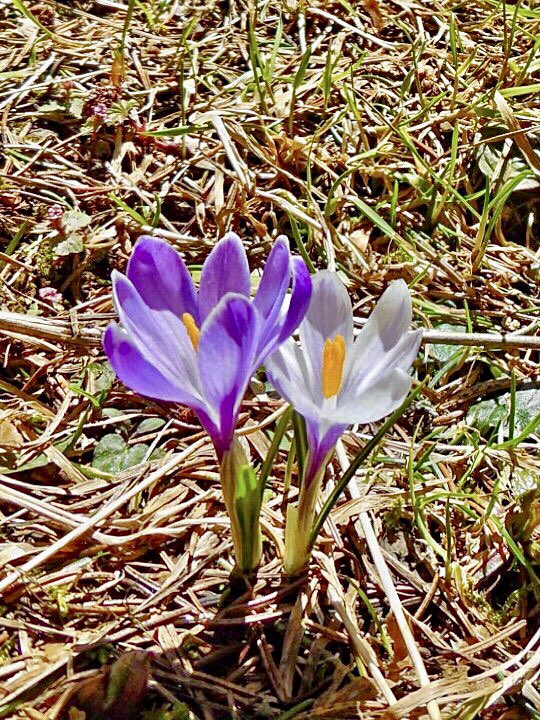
[(388, 140)]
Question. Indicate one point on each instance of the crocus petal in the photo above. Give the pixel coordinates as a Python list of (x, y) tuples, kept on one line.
[(376, 400), (389, 321), (292, 377), (161, 338), (300, 298), (275, 281), (382, 388), (365, 370), (329, 314), (137, 373), (225, 270), (322, 436), (161, 277), (227, 346), (285, 322)]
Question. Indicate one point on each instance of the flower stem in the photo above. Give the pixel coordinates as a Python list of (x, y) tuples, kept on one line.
[(243, 496), (300, 519)]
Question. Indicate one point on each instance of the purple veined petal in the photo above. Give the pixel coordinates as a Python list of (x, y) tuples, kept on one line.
[(271, 295), (227, 346), (225, 270), (300, 298), (161, 277), (138, 374), (322, 436), (289, 372), (161, 338), (387, 324), (376, 400), (287, 320), (210, 426), (275, 281), (329, 314)]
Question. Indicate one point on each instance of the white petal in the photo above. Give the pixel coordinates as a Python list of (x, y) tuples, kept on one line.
[(292, 377), (376, 401), (399, 357), (384, 329), (329, 314), (158, 335)]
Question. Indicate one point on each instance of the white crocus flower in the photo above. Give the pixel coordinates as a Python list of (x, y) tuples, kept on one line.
[(335, 380)]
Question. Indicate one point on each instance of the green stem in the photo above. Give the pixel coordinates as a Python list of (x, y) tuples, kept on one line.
[(243, 497), (300, 518)]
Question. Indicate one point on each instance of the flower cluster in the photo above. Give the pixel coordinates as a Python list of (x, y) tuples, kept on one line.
[(200, 347)]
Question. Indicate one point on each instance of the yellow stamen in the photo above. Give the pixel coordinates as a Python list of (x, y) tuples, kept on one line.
[(192, 329), (332, 365)]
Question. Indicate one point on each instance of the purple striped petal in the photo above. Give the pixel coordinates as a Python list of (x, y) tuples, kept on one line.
[(329, 314), (225, 270), (322, 437), (161, 277), (300, 298), (373, 392), (275, 281), (226, 356), (362, 374), (139, 374), (160, 337), (286, 322)]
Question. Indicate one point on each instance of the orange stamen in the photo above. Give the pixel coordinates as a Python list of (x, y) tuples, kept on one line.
[(334, 352), (192, 329)]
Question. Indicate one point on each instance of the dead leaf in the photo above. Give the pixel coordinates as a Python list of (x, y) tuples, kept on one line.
[(398, 645), (13, 551), (9, 435), (75, 714), (358, 690), (374, 12), (360, 238), (114, 692)]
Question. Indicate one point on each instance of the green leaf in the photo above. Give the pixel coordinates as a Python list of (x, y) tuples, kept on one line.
[(104, 376), (374, 217), (277, 442), (523, 482), (74, 220), (76, 107), (247, 501), (487, 415), (53, 106), (149, 425), (175, 132), (527, 408), (113, 455), (443, 353), (134, 214), (72, 244), (489, 156), (134, 455), (179, 711)]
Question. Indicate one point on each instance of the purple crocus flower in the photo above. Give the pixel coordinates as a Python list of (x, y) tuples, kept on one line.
[(200, 348)]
